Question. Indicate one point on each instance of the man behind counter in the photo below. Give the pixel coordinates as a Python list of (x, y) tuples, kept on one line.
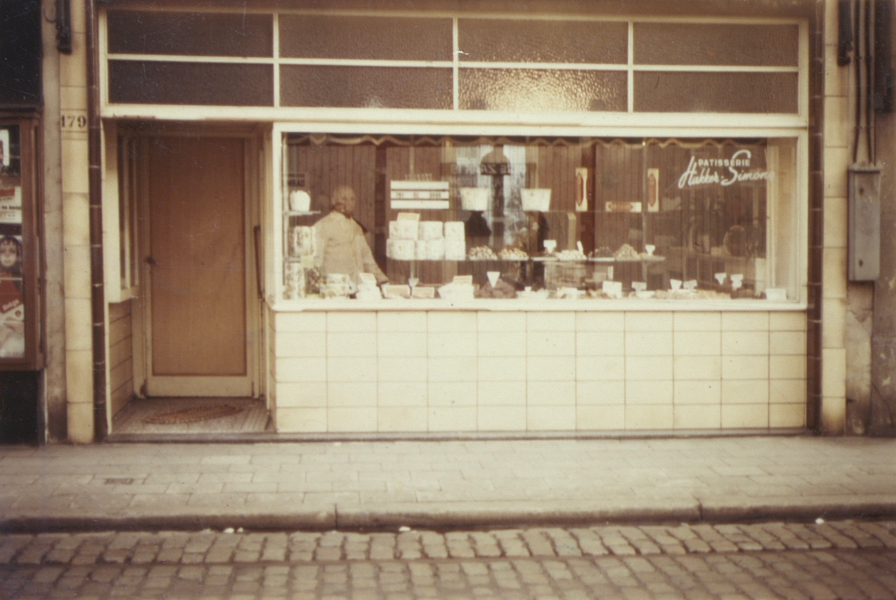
[(341, 247)]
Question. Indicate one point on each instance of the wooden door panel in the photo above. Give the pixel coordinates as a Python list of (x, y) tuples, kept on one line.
[(197, 257)]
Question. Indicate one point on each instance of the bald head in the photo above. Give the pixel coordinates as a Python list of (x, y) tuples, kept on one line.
[(343, 200)]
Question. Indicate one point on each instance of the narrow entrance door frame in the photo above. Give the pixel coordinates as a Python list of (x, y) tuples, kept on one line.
[(249, 382)]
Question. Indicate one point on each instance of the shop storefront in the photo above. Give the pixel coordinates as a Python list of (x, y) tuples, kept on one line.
[(460, 220)]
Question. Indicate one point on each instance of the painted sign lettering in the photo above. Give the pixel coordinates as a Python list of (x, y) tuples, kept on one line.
[(722, 171)]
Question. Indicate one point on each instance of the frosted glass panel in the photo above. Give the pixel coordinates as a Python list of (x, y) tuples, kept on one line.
[(542, 90), (715, 44), (382, 38), (147, 82), (198, 34), (363, 87), (542, 41), (716, 92)]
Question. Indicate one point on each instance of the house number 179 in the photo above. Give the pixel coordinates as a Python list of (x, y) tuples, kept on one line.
[(73, 121)]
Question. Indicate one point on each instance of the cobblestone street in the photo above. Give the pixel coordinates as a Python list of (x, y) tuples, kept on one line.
[(825, 560)]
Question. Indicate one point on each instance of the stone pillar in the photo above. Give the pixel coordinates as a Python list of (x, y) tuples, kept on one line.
[(76, 233)]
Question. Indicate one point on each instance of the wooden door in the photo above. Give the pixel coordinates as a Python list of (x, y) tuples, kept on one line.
[(197, 267)]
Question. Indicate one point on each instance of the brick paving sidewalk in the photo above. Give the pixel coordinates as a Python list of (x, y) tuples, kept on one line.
[(444, 483), (759, 561)]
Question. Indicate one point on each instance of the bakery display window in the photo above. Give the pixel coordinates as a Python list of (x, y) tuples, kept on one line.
[(457, 219)]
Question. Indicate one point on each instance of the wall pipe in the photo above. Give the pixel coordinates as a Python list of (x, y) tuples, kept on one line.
[(97, 295), (816, 222)]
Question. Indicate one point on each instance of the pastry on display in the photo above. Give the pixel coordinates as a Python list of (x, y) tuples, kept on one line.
[(482, 253), (626, 252), (513, 253), (571, 255), (602, 252)]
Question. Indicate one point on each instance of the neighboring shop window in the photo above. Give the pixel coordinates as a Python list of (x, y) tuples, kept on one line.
[(578, 63), (574, 218), (12, 252)]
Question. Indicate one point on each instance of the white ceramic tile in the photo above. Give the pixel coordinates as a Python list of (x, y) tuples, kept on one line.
[(698, 367), (551, 343), (748, 391), (549, 393), (502, 368), (600, 321), (591, 393), (502, 393), (648, 392), (452, 344), (833, 332), (551, 321), (402, 368), (745, 367), (401, 343), (697, 343), (787, 321), (452, 393), (502, 322), (648, 417), (551, 368), (697, 321), (402, 394), (647, 368), (736, 416), (301, 369), (833, 414), (745, 342), (787, 415), (787, 342), (745, 321), (702, 391), (600, 368), (452, 368), (394, 322), (351, 419), (511, 343), (697, 416), (352, 322), (301, 395), (600, 343), (301, 420), (648, 343), (443, 418), (452, 322), (836, 221), (343, 394), (356, 369), (300, 344), (501, 418), (600, 418), (787, 391), (402, 419), (647, 321), (551, 418), (833, 379), (341, 343), (787, 367)]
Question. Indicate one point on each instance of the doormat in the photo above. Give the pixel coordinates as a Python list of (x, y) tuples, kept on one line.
[(193, 415)]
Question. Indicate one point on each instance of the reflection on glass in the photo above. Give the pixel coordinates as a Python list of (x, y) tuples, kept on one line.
[(542, 90)]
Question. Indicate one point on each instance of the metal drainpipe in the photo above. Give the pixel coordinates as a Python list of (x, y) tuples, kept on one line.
[(816, 222), (97, 296)]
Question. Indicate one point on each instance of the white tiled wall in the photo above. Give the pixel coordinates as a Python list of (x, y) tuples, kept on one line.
[(530, 371)]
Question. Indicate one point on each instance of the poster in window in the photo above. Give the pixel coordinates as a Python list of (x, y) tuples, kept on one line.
[(653, 190), (12, 301), (5, 154)]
